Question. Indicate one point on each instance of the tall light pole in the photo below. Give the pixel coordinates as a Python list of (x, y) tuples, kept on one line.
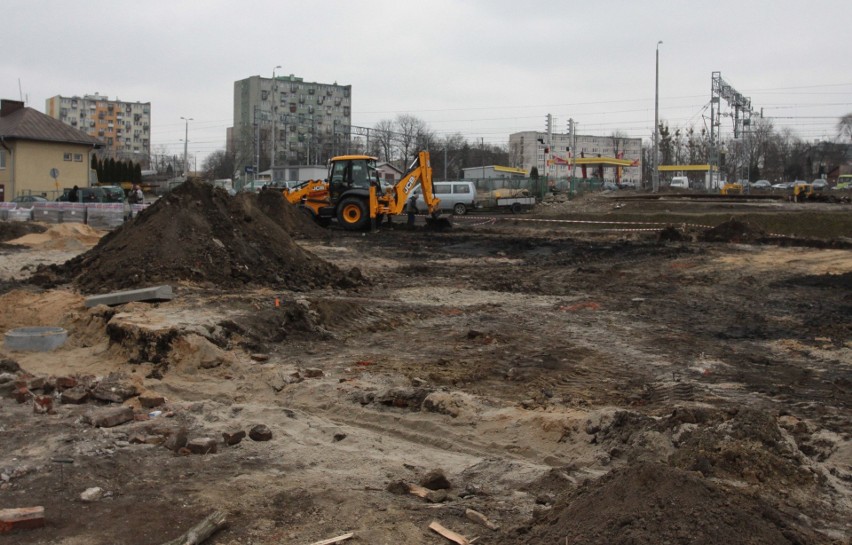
[(274, 109), (186, 146), (655, 175)]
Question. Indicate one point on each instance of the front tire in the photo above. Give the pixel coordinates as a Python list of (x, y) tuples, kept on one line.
[(459, 209), (352, 214)]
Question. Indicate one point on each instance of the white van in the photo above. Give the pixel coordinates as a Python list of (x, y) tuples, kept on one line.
[(679, 182), (456, 196)]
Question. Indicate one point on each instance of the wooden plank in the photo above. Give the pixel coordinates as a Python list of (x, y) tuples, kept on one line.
[(418, 490), (331, 540), (449, 534), (21, 518), (478, 517), (201, 531)]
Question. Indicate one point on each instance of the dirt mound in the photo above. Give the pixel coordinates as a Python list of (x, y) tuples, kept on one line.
[(10, 230), (733, 231), (200, 234), (289, 217), (652, 503)]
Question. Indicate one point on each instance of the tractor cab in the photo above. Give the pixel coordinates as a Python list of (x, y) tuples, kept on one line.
[(352, 173)]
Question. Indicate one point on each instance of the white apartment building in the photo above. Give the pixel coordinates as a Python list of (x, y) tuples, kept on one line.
[(123, 127), (287, 121), (527, 150)]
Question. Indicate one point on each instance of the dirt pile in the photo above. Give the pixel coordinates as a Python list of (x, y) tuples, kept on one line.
[(10, 230), (200, 234), (651, 503), (733, 231), (297, 224)]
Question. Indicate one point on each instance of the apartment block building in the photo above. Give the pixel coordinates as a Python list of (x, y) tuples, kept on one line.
[(527, 150), (123, 127), (285, 121)]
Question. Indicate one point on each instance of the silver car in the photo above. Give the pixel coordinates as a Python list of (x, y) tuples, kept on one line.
[(457, 196)]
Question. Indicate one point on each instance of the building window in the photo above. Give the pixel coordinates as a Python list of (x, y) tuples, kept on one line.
[(78, 157), (2, 159), (66, 156)]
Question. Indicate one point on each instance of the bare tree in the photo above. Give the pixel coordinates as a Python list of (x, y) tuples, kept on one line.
[(219, 164), (409, 129), (383, 136)]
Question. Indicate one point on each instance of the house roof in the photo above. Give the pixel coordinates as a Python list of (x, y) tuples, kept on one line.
[(18, 122), (388, 165)]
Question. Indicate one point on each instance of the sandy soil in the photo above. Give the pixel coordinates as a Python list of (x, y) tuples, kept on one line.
[(573, 385)]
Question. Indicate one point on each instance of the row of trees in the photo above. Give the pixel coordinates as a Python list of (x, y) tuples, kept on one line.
[(761, 152), (115, 172)]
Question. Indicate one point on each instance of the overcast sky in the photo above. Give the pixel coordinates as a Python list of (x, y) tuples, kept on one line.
[(482, 68)]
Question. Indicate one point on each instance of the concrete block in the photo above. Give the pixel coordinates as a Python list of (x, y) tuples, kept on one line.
[(73, 212), (47, 214), (105, 216), (156, 293), (108, 418), (21, 518), (20, 214)]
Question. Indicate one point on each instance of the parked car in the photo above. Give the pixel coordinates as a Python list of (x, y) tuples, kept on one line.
[(456, 196), (761, 184), (28, 199), (782, 185), (87, 194), (679, 182), (819, 184), (609, 186)]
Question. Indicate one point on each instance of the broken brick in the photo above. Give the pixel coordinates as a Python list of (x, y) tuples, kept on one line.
[(202, 445), (65, 383), (74, 396), (149, 401)]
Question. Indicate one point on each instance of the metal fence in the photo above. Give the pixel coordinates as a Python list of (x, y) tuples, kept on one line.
[(538, 188)]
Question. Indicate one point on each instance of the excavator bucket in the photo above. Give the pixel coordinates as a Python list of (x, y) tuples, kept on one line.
[(438, 223)]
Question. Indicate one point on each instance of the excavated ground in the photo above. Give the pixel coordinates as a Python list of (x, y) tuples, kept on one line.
[(575, 385)]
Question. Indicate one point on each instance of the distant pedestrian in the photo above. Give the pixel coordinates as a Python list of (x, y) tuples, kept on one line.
[(136, 196), (412, 208), (74, 194)]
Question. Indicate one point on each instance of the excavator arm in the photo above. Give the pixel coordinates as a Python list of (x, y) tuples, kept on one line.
[(312, 187), (393, 202)]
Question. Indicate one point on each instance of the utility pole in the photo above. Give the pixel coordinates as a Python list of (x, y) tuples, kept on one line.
[(655, 174), (548, 148), (186, 146), (573, 130)]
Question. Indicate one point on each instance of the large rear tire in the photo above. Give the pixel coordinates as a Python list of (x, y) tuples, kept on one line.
[(352, 214)]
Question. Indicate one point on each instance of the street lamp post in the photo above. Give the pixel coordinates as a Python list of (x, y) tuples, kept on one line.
[(655, 174), (274, 109), (186, 146)]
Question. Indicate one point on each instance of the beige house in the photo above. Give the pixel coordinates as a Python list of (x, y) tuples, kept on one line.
[(32, 145)]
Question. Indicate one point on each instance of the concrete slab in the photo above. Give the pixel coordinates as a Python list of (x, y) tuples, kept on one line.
[(156, 293)]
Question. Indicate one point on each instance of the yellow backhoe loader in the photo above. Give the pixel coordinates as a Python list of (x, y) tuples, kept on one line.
[(352, 194)]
